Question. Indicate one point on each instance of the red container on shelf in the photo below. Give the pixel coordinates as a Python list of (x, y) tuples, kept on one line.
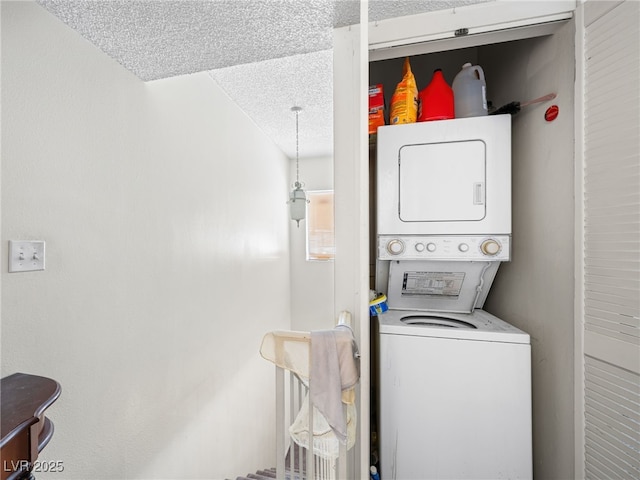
[(435, 101), (376, 107)]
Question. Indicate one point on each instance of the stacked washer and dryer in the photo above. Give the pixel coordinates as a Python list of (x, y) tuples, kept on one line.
[(454, 381)]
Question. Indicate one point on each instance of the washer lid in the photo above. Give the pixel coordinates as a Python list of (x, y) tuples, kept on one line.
[(485, 327), (435, 321)]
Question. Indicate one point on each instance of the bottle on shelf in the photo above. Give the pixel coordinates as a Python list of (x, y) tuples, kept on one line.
[(470, 92), (435, 101)]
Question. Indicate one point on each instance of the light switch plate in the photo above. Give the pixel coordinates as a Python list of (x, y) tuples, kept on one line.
[(26, 256)]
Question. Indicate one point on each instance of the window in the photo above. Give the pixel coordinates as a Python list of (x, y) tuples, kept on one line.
[(320, 235)]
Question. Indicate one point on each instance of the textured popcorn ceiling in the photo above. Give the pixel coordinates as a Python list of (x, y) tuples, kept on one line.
[(268, 55)]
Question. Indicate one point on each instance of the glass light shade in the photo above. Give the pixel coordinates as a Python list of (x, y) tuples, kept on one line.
[(297, 204)]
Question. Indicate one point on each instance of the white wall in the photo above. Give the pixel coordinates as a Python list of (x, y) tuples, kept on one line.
[(535, 291), (311, 282), (164, 212)]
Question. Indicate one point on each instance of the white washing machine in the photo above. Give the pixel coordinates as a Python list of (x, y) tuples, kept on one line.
[(455, 397)]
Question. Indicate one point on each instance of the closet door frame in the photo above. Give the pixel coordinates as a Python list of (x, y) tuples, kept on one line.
[(485, 23)]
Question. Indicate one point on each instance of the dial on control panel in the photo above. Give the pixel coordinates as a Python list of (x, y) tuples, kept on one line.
[(434, 247), (395, 247), (490, 247)]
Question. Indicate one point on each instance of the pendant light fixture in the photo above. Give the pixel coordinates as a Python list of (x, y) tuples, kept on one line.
[(297, 197)]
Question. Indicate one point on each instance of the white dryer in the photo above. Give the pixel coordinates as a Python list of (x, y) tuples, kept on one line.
[(455, 397), (448, 177), (454, 381)]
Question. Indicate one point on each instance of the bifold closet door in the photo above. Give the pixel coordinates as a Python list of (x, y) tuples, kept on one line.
[(611, 240)]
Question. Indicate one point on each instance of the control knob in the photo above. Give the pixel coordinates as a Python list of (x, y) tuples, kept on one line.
[(490, 247), (431, 247), (395, 247)]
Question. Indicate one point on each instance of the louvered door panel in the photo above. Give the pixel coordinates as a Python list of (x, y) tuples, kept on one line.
[(613, 415), (612, 241), (612, 178)]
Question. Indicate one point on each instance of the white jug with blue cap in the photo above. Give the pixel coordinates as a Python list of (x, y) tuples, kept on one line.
[(470, 92)]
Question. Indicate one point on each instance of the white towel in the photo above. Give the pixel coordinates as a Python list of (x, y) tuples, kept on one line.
[(333, 368), (325, 443)]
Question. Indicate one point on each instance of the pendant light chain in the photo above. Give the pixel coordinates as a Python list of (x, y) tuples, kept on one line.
[(297, 111), (297, 198)]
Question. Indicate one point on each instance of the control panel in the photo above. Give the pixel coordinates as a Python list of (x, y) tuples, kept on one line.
[(444, 247)]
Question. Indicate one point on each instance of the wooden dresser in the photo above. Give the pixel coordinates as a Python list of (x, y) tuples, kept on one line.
[(25, 430)]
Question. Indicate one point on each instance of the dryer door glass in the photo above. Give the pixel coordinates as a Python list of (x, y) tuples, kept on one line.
[(442, 182)]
